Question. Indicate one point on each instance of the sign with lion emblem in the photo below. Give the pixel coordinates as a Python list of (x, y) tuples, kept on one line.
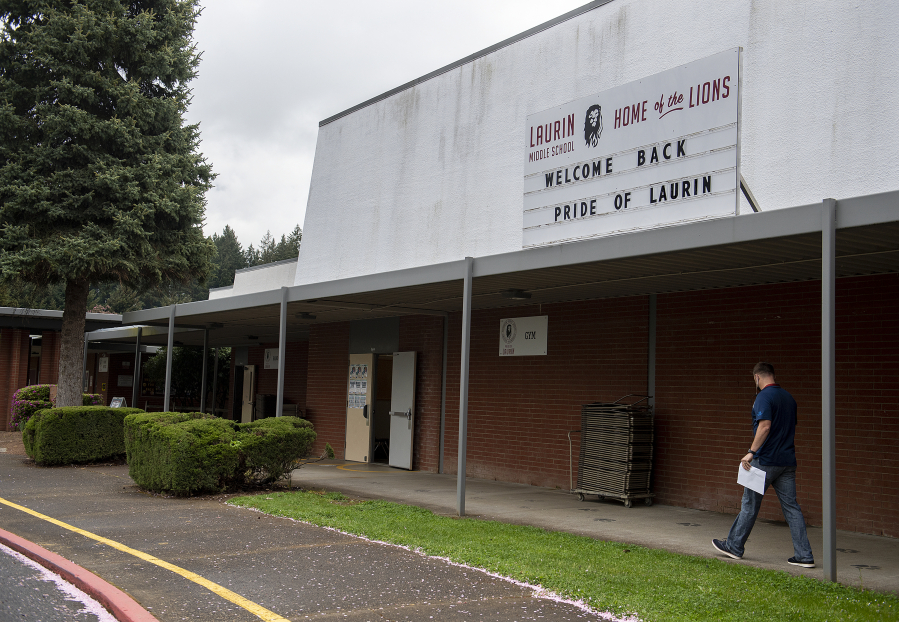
[(659, 151)]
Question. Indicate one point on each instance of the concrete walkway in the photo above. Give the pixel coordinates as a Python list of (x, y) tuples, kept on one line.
[(862, 560)]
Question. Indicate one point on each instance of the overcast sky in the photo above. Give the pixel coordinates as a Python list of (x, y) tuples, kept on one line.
[(272, 69)]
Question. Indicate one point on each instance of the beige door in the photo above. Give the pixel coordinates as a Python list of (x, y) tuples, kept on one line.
[(248, 399), (359, 407)]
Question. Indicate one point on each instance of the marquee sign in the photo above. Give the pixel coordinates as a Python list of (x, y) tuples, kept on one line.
[(659, 151)]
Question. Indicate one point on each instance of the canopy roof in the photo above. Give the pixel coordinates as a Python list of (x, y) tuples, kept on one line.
[(776, 246)]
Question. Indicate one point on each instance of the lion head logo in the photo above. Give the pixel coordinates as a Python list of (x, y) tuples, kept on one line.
[(593, 125), (508, 331)]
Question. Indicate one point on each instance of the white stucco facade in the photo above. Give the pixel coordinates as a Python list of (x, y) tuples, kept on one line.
[(434, 173), (258, 279)]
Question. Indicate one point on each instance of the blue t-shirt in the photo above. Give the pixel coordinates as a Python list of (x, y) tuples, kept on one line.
[(777, 406)]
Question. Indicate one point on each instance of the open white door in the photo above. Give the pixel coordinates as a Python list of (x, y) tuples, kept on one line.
[(359, 405), (248, 398), (402, 410)]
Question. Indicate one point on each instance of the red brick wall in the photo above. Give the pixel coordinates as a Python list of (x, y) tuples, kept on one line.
[(520, 409), (50, 344), (867, 394), (424, 334), (294, 373), (15, 351), (329, 346), (117, 362), (707, 344)]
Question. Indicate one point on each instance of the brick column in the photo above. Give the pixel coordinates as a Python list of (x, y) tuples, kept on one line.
[(50, 344), (14, 355)]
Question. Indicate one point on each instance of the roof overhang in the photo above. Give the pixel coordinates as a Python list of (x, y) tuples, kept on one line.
[(760, 248), (47, 319)]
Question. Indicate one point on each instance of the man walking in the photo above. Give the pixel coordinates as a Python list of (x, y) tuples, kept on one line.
[(772, 451)]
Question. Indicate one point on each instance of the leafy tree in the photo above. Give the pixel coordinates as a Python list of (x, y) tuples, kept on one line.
[(187, 374), (100, 179)]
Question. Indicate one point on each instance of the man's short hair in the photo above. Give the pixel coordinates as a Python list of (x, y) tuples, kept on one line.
[(763, 369)]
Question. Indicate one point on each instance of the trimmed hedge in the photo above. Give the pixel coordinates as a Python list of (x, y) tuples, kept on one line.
[(270, 447), (186, 453), (76, 434), (180, 452), (28, 400)]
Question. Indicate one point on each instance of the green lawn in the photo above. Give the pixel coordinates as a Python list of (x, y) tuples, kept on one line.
[(621, 578)]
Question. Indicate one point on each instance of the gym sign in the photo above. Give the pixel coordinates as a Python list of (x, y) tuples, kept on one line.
[(660, 151), (523, 336)]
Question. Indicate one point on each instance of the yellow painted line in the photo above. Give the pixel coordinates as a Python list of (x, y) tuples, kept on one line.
[(257, 610)]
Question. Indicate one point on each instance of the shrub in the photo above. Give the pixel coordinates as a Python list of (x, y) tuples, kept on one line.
[(185, 453), (76, 434), (180, 452), (271, 447), (90, 399), (87, 399), (35, 392), (28, 400)]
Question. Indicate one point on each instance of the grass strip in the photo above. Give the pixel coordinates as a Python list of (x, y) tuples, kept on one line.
[(609, 576)]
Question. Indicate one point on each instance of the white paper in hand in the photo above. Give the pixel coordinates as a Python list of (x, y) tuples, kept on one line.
[(754, 478)]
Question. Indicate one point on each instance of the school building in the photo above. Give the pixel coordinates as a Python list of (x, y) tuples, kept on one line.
[(635, 198)]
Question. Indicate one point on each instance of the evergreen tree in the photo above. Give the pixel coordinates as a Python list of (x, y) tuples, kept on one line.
[(266, 249), (251, 257), (289, 245), (123, 299), (229, 259), (100, 179)]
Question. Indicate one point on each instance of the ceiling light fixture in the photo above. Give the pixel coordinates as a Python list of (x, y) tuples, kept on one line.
[(515, 294), (252, 336), (305, 316)]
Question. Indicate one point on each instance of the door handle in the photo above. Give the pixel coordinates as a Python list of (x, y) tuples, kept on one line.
[(365, 411), (399, 413)]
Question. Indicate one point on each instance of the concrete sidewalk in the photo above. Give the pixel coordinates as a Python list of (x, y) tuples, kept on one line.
[(862, 560)]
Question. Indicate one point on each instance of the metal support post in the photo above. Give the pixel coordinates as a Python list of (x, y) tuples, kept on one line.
[(463, 386), (443, 394), (651, 357), (215, 379), (85, 378), (135, 377), (205, 367), (168, 361), (282, 353), (828, 389)]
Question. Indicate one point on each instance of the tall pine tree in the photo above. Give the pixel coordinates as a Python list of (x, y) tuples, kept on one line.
[(229, 259), (100, 178)]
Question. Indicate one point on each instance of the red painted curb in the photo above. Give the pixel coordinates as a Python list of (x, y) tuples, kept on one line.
[(117, 602)]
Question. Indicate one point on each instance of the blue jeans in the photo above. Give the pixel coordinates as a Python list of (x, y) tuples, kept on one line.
[(784, 481)]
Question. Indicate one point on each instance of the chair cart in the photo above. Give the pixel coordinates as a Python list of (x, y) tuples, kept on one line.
[(615, 460)]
